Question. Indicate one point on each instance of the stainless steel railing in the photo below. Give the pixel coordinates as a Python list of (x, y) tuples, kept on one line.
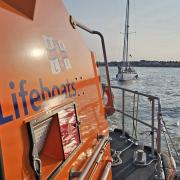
[(93, 162), (155, 120)]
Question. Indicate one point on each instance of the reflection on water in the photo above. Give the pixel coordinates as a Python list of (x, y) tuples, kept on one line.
[(161, 82)]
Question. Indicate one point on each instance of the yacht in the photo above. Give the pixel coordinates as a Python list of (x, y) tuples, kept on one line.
[(125, 71)]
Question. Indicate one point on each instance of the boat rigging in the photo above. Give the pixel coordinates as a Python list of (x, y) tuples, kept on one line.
[(125, 71)]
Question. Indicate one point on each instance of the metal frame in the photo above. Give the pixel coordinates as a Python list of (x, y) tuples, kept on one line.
[(33, 152), (106, 171), (75, 24), (96, 158), (86, 170), (157, 129)]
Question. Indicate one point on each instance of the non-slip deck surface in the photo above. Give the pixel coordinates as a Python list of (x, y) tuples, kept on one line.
[(127, 170)]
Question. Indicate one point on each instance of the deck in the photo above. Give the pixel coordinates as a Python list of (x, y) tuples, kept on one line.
[(127, 170)]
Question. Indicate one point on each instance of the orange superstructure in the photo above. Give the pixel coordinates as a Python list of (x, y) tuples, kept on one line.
[(52, 118)]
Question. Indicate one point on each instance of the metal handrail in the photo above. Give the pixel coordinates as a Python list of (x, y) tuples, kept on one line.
[(106, 171), (136, 92), (152, 126), (146, 124), (75, 24), (93, 158)]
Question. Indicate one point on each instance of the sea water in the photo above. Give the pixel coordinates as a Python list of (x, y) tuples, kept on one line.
[(156, 81)]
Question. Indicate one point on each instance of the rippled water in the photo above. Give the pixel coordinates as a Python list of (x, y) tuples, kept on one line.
[(161, 82)]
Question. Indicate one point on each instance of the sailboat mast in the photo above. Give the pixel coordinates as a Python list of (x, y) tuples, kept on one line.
[(127, 34), (126, 37), (125, 72)]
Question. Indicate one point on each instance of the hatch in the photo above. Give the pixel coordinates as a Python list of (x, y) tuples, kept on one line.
[(53, 139)]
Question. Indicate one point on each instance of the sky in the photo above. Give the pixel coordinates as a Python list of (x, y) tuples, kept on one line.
[(156, 23)]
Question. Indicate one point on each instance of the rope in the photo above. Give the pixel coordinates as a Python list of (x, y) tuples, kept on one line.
[(148, 164), (116, 155)]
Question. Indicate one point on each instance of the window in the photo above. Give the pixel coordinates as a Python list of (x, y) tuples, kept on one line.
[(53, 139)]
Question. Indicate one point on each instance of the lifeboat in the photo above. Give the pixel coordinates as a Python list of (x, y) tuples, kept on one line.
[(53, 122)]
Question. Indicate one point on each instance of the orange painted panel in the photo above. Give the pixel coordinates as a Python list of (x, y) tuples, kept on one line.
[(25, 7), (44, 64)]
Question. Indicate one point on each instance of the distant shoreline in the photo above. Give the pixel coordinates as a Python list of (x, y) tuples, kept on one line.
[(145, 63)]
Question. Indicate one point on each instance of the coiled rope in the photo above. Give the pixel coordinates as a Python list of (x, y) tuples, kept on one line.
[(116, 155)]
